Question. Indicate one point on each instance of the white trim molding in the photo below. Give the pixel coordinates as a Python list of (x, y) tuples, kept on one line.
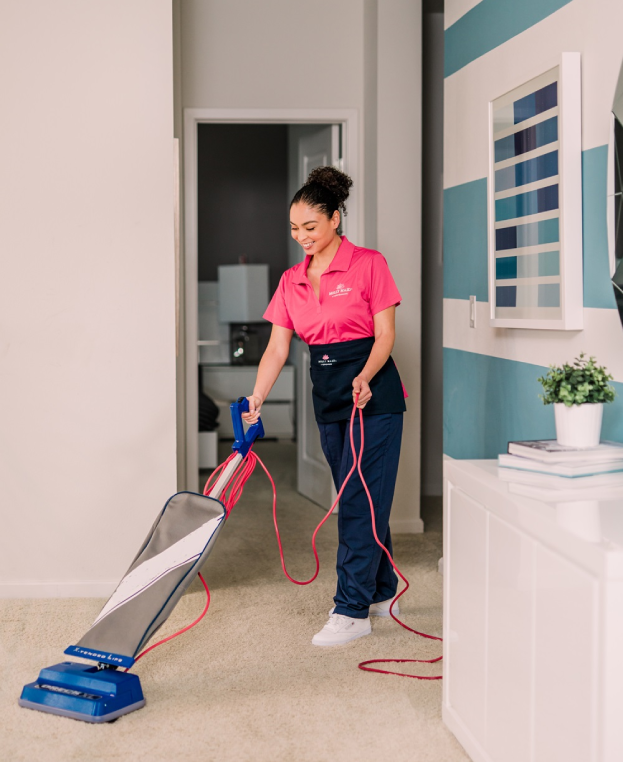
[(348, 119), (567, 279), (58, 589), (413, 525)]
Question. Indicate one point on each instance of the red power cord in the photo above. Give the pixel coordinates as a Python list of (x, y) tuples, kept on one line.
[(235, 485), (183, 630), (363, 664), (232, 493)]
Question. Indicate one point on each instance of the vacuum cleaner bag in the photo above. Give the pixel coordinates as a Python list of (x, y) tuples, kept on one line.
[(173, 552)]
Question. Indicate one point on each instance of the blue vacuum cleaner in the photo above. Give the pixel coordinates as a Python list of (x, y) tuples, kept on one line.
[(172, 555)]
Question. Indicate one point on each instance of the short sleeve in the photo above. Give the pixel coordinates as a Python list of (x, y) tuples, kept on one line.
[(277, 311), (383, 290)]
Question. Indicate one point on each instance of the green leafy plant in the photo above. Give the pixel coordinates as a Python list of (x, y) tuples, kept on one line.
[(582, 382)]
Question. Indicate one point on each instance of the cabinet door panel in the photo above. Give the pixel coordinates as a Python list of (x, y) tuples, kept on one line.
[(465, 651), (565, 661), (509, 643)]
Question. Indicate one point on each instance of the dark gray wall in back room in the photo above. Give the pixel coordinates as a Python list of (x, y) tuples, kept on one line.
[(242, 197)]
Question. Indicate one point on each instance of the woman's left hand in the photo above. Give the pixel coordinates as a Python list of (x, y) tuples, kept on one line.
[(361, 387)]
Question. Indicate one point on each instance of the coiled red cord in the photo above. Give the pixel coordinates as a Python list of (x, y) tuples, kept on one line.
[(357, 464), (232, 493)]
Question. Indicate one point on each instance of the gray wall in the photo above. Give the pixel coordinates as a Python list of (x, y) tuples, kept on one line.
[(242, 200), (432, 255)]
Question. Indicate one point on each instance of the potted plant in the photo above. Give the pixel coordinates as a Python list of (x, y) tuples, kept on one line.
[(578, 392)]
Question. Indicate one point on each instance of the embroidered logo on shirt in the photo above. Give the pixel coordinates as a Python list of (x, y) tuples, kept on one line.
[(341, 290)]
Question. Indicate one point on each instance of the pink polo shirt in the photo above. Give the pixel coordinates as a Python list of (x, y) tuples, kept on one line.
[(356, 285)]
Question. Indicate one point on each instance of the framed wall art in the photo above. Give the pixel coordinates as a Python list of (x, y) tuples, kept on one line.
[(535, 202)]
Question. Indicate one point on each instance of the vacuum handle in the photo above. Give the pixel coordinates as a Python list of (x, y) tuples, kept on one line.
[(244, 441)]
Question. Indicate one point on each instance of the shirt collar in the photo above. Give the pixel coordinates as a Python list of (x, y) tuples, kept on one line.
[(341, 261)]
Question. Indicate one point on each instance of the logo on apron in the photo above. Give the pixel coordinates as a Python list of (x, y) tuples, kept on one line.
[(326, 360)]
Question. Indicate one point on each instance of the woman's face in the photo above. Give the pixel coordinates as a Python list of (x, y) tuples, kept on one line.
[(312, 228)]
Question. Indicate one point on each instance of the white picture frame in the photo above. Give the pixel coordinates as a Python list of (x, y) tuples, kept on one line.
[(535, 202)]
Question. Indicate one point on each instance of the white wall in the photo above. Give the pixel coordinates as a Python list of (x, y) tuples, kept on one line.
[(87, 380), (358, 54)]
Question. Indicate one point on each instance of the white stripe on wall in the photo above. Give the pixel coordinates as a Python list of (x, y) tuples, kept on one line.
[(602, 336), (454, 9), (592, 27)]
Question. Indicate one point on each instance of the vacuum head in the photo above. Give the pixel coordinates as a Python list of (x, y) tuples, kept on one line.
[(169, 559), (83, 693)]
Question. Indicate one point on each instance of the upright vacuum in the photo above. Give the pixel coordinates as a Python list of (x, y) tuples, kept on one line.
[(169, 559)]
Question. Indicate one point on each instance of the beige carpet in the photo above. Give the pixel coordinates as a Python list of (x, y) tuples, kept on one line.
[(247, 684)]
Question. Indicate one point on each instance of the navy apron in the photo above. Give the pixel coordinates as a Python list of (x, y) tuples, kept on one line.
[(333, 368)]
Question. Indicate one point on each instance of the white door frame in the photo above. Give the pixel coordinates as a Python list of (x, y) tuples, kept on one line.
[(351, 142)]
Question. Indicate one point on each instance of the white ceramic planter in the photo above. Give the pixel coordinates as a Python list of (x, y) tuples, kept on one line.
[(578, 425)]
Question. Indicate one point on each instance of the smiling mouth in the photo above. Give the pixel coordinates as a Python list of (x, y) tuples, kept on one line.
[(307, 245)]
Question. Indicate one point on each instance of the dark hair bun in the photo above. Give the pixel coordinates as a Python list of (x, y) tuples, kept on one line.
[(326, 189), (332, 179)]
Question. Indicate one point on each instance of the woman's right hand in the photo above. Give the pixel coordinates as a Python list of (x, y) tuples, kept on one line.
[(255, 404)]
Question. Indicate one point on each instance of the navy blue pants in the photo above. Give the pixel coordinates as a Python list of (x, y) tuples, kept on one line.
[(364, 574)]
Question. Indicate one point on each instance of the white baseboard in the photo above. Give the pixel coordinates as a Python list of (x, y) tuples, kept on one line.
[(406, 526), (463, 735), (88, 589)]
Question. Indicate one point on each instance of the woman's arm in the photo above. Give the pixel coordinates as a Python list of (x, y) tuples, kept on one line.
[(384, 337), (272, 362)]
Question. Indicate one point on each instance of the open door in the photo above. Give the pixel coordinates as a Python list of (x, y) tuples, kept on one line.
[(311, 146), (315, 137)]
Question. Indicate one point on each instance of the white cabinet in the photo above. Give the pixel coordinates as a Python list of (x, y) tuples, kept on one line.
[(208, 449), (533, 623), (226, 383)]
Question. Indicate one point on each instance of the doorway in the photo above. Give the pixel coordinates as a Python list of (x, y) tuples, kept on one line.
[(255, 161)]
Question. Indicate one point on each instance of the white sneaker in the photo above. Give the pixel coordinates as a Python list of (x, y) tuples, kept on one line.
[(380, 609), (341, 629)]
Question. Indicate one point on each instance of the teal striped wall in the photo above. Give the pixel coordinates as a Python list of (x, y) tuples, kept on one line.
[(465, 236), (465, 241), (489, 24), (488, 401)]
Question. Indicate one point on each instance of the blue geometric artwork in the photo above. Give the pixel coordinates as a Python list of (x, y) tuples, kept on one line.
[(525, 201)]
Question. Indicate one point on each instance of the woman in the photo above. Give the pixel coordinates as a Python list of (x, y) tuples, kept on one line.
[(341, 301)]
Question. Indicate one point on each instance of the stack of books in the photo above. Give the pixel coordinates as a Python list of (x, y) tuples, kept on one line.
[(544, 470)]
